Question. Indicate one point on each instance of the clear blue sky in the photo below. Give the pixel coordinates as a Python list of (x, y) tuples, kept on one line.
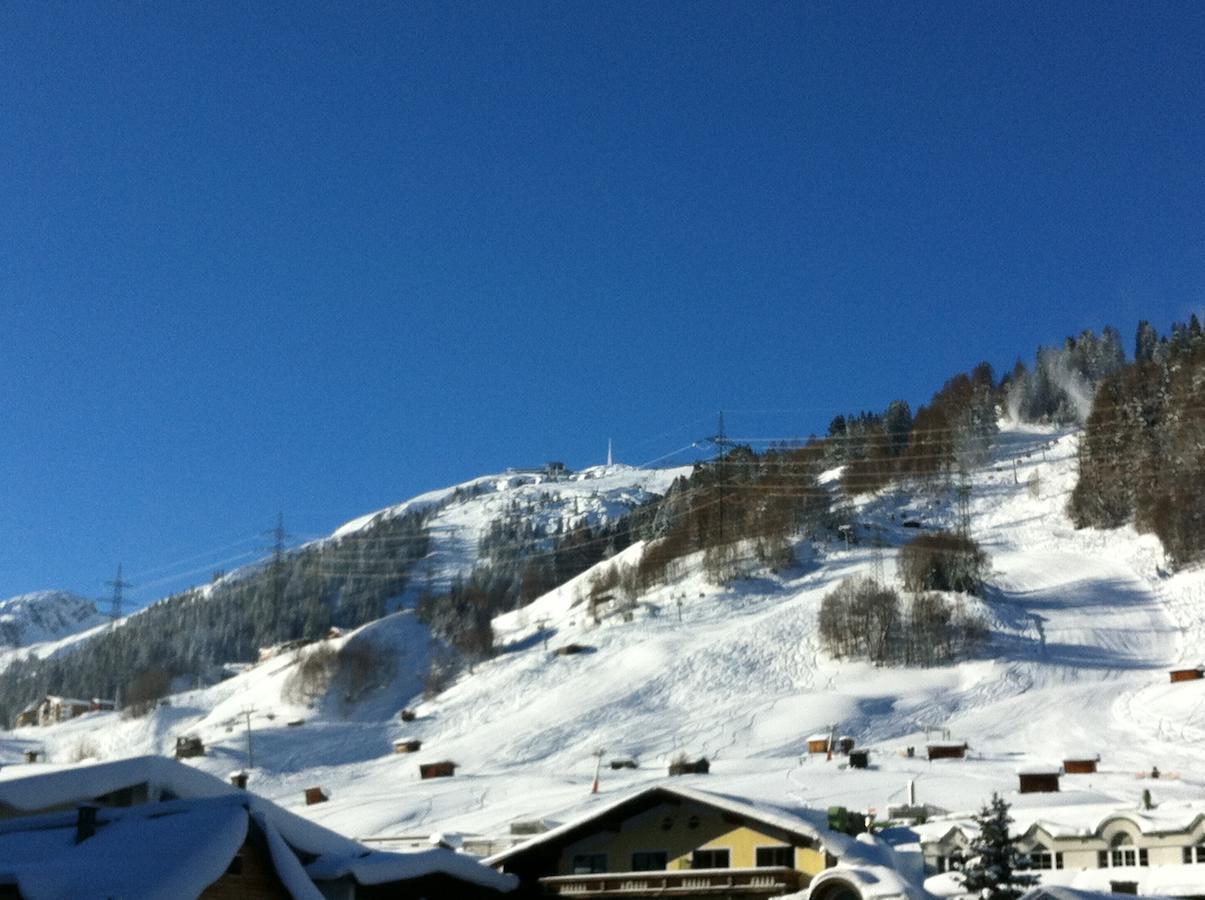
[(316, 258)]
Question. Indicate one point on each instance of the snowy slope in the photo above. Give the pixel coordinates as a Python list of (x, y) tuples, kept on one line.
[(462, 514), (1084, 626)]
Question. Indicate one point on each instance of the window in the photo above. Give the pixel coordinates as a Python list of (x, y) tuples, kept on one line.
[(775, 856), (589, 863), (1122, 853), (1194, 854), (709, 859), (649, 861), (1041, 858)]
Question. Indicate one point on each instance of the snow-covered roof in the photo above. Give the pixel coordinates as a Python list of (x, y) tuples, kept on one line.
[(802, 820), (208, 815), (378, 868), (1060, 816), (1040, 769), (183, 847)]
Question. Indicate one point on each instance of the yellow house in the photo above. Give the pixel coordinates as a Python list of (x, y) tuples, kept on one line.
[(674, 841)]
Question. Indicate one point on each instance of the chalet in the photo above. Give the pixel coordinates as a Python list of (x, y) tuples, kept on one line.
[(845, 743), (1087, 846), (1187, 674), (442, 769), (1039, 779), (859, 759), (51, 710), (162, 829), (675, 841), (314, 795), (407, 745), (947, 750)]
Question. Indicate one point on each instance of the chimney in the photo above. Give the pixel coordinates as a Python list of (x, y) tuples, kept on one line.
[(911, 792), (85, 824)]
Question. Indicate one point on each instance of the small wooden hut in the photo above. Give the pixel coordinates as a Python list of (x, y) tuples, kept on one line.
[(947, 750), (442, 769), (845, 743), (188, 746), (1039, 779), (408, 715), (315, 795), (698, 766), (1080, 764), (1187, 674), (859, 759), (407, 745), (571, 649), (818, 743), (623, 763)]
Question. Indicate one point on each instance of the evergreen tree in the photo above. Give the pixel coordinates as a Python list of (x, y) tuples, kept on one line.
[(989, 872)]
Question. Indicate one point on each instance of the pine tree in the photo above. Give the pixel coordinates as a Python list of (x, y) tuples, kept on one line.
[(989, 872)]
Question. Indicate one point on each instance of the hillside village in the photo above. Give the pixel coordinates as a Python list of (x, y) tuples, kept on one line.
[(699, 731)]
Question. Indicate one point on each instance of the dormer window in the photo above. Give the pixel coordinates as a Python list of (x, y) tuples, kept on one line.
[(1122, 852)]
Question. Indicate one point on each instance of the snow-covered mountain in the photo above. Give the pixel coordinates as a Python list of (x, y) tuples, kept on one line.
[(43, 616), (1083, 627), (549, 503)]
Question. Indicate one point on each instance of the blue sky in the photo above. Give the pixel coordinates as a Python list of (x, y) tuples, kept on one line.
[(317, 258)]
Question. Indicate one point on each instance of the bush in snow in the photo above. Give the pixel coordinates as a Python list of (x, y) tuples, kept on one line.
[(942, 561)]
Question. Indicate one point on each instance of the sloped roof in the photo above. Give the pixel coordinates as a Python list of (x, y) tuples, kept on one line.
[(809, 823), (39, 851)]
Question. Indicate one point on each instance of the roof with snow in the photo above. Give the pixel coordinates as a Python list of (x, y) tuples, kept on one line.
[(810, 823), (187, 832)]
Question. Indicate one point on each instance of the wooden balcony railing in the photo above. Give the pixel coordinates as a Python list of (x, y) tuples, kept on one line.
[(764, 882)]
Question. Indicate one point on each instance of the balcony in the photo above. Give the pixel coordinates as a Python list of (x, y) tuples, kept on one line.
[(765, 882)]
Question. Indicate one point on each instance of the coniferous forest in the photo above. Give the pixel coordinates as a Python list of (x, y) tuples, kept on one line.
[(1142, 460)]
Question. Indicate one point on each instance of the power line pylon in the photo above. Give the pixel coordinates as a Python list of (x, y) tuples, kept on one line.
[(876, 557), (118, 584), (277, 547), (964, 504)]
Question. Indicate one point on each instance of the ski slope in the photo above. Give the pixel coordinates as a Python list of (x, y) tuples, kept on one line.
[(1084, 625)]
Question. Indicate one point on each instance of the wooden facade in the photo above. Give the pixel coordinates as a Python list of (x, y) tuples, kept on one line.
[(442, 769), (1080, 765), (407, 745), (315, 795), (1045, 782), (947, 750), (1186, 674), (250, 875)]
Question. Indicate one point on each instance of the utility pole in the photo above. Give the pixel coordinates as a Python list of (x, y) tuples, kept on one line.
[(247, 714), (118, 584), (598, 756)]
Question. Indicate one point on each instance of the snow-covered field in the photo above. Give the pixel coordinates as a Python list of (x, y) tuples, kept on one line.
[(1085, 625)]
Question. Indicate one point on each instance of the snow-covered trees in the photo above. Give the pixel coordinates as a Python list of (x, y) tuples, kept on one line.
[(990, 870), (1142, 455)]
